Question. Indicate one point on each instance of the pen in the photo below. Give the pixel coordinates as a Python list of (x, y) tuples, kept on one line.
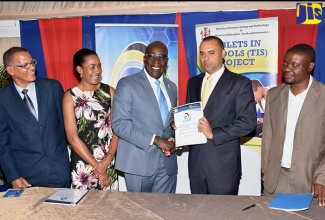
[(248, 207)]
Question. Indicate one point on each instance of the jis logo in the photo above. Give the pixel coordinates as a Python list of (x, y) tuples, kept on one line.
[(309, 13)]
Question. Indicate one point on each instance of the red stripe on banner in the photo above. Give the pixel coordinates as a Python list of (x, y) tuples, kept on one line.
[(61, 38), (290, 33), (183, 74)]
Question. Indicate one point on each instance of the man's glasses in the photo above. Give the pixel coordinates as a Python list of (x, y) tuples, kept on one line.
[(26, 65), (153, 56)]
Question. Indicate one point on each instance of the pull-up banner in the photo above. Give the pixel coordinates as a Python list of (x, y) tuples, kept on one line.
[(121, 47), (251, 46)]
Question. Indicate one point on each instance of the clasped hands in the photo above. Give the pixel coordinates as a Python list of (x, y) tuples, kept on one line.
[(167, 146), (100, 172)]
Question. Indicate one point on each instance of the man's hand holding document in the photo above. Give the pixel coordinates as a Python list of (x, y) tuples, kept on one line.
[(186, 119)]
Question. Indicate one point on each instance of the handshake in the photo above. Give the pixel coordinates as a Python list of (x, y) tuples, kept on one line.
[(167, 146)]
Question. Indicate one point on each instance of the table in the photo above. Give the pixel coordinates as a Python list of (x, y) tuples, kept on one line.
[(132, 205)]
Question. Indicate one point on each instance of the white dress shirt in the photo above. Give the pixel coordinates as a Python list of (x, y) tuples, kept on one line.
[(154, 88), (31, 93), (294, 106), (215, 78)]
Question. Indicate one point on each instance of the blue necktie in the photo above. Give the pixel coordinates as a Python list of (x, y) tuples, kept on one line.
[(162, 103), (28, 102)]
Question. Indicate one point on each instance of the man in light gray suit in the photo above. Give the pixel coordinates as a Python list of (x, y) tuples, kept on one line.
[(146, 149), (293, 143)]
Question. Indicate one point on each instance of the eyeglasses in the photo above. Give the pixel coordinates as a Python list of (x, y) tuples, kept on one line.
[(26, 65), (153, 56)]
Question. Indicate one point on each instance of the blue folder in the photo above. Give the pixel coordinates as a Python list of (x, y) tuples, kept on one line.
[(291, 202)]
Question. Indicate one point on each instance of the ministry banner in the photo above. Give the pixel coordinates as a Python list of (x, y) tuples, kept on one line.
[(121, 47)]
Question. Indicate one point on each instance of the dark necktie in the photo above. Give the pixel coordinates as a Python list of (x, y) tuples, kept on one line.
[(28, 102), (162, 103)]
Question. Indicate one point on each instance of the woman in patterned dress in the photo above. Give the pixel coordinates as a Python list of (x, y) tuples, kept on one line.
[(87, 121)]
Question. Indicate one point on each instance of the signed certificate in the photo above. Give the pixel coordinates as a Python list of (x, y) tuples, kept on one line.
[(186, 119)]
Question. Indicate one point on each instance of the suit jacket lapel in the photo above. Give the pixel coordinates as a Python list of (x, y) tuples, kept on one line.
[(284, 96), (221, 85), (171, 97), (19, 103), (148, 88), (198, 88), (311, 98), (42, 97)]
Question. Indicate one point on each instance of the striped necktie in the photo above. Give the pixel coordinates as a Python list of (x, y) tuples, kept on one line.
[(28, 102)]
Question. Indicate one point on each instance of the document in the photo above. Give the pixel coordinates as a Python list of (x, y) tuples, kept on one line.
[(291, 202), (186, 119), (66, 197)]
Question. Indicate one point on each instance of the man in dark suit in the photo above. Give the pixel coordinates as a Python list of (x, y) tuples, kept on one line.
[(229, 113), (145, 152), (33, 147)]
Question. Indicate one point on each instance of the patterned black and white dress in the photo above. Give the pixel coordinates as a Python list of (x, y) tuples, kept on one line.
[(93, 115)]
